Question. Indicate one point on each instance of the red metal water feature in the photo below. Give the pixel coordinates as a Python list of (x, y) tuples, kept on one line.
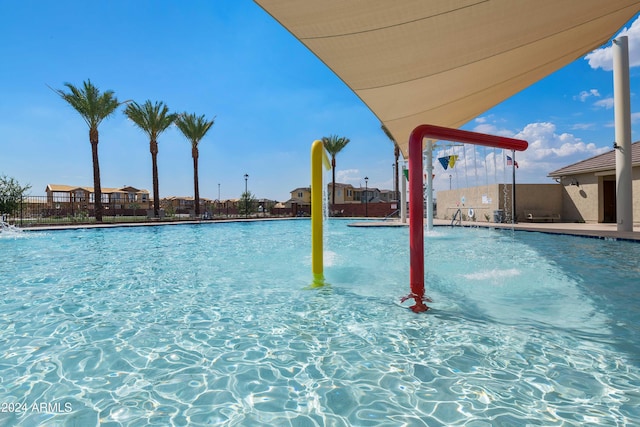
[(416, 208)]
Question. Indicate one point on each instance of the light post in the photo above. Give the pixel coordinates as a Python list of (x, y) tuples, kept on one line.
[(449, 181), (366, 195), (246, 196), (393, 181), (218, 199)]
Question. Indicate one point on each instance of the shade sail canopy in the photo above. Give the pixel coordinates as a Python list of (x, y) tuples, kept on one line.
[(444, 62)]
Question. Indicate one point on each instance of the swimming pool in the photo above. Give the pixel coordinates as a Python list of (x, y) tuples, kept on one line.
[(211, 324)]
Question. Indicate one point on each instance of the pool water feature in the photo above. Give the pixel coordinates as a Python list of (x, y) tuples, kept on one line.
[(211, 324)]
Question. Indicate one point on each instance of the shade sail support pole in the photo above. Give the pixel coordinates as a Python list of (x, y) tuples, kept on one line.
[(622, 113)]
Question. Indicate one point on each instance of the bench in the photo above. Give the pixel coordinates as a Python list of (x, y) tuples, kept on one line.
[(543, 216)]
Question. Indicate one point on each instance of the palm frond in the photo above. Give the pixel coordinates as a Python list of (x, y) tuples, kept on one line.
[(151, 118), (89, 102), (193, 127), (334, 144), (388, 133)]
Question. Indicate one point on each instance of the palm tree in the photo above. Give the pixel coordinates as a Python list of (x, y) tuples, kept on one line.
[(396, 153), (94, 107), (153, 119), (334, 144), (194, 128)]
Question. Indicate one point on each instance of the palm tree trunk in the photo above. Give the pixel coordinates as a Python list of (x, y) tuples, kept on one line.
[(97, 189), (196, 188), (333, 181), (153, 146)]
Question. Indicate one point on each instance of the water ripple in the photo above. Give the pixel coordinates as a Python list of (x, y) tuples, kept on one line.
[(130, 341)]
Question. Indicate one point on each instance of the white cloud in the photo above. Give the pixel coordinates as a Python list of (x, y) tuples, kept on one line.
[(481, 120), (349, 176), (603, 57), (547, 151), (492, 130), (582, 96), (635, 117), (583, 126), (606, 103), (546, 145)]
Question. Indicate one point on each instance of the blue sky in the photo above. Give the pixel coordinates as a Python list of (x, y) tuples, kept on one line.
[(270, 98)]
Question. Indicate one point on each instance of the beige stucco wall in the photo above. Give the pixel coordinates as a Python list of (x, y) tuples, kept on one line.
[(486, 199), (538, 198), (585, 201), (580, 198), (483, 200)]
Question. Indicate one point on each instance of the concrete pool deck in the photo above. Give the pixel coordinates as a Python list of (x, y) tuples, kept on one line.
[(601, 231)]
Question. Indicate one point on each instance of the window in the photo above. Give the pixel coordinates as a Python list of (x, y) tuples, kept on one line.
[(300, 194)]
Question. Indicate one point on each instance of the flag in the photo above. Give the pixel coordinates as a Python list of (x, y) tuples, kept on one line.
[(444, 161), (452, 160), (511, 162)]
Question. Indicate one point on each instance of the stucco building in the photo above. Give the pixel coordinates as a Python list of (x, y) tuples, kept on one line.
[(589, 187)]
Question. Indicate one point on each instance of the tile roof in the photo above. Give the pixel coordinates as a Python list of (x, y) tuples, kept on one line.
[(602, 162), (105, 190)]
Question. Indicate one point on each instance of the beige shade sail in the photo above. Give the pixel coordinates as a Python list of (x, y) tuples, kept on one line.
[(445, 62)]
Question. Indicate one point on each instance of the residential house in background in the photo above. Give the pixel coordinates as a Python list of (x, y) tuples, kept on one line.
[(301, 196), (345, 193), (61, 196), (300, 201), (350, 201), (388, 196), (368, 195), (184, 204)]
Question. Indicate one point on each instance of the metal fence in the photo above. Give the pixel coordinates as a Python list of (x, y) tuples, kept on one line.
[(43, 210)]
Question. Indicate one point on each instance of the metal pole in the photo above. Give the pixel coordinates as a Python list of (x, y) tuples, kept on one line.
[(366, 196), (246, 196), (393, 179), (513, 187), (622, 111), (403, 199)]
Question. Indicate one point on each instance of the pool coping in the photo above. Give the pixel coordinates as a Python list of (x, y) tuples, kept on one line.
[(151, 223), (598, 231)]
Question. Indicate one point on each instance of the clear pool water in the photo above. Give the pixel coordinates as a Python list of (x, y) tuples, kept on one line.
[(212, 325)]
